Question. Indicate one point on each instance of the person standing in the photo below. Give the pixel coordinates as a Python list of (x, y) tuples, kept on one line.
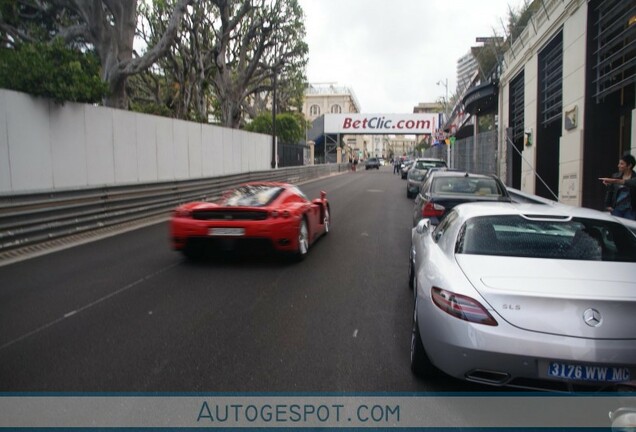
[(396, 165), (620, 199)]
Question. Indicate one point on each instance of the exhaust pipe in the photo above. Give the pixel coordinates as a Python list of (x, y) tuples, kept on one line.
[(487, 377)]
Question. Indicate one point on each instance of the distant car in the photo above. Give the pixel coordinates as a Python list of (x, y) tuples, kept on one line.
[(415, 175), (524, 295), (372, 163), (446, 189), (382, 161), (258, 215)]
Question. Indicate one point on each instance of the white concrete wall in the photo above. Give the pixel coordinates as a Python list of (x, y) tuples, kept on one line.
[(530, 99), (571, 16), (44, 146), (571, 144)]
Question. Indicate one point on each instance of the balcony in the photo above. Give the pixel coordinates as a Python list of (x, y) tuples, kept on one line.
[(481, 99)]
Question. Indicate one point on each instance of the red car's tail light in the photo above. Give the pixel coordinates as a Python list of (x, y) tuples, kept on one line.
[(432, 210), (462, 307), (277, 214), (184, 213)]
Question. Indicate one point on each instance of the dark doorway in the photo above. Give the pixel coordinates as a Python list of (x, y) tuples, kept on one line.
[(549, 129), (516, 127), (609, 101)]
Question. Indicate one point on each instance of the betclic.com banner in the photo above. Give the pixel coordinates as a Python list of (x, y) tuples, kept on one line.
[(504, 410), (384, 124)]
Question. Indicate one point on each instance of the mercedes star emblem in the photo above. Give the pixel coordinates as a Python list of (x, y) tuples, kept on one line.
[(592, 317)]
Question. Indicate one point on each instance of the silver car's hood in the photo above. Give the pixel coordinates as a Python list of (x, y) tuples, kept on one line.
[(588, 299)]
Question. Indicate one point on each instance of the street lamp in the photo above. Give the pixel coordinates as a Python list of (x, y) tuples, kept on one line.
[(274, 147), (446, 117), (445, 84)]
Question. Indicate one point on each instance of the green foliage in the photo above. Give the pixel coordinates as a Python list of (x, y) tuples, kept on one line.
[(290, 127), (487, 122), (150, 108), (518, 20), (486, 58), (52, 71), (261, 124)]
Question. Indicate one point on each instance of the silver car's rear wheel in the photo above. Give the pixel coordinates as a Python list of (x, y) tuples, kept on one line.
[(420, 363)]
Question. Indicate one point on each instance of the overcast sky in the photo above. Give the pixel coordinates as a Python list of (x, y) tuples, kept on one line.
[(393, 52)]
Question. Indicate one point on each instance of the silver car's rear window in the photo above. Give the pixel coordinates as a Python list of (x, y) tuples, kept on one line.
[(541, 237)]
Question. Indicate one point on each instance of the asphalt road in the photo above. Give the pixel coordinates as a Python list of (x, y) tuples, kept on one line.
[(128, 314)]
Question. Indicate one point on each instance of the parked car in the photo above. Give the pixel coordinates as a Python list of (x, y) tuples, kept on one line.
[(430, 171), (416, 174), (258, 215), (526, 295), (405, 166), (372, 163), (446, 189)]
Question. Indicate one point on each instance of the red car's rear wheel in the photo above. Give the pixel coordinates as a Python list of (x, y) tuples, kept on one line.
[(303, 240)]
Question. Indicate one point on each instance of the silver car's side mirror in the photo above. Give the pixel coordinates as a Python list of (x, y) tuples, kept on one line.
[(423, 226)]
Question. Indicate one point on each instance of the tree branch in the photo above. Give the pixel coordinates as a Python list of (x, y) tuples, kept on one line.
[(150, 57)]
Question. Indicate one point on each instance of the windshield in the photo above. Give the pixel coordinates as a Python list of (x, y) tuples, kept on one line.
[(429, 164), (541, 237), (251, 196), (466, 185)]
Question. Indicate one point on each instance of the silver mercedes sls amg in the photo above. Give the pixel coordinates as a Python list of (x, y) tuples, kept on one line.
[(525, 295)]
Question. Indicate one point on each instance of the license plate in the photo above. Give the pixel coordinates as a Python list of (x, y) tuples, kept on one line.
[(226, 232), (576, 372)]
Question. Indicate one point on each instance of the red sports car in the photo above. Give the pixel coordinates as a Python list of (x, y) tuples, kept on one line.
[(253, 216)]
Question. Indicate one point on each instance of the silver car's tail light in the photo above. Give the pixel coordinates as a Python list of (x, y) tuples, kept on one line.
[(462, 307)]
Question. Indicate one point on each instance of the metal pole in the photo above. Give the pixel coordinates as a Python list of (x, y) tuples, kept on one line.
[(274, 147), (475, 135)]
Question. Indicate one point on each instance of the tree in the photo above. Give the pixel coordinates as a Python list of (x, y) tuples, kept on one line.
[(27, 68), (252, 44), (290, 127), (224, 58), (179, 82), (105, 26)]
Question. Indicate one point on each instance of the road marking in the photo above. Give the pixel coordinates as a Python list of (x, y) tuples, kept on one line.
[(355, 333), (375, 190), (85, 307)]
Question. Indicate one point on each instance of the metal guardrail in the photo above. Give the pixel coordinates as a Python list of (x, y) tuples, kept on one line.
[(34, 218)]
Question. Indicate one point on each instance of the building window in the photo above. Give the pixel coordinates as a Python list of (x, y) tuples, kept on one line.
[(551, 81), (314, 110), (336, 109), (614, 46), (517, 106)]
